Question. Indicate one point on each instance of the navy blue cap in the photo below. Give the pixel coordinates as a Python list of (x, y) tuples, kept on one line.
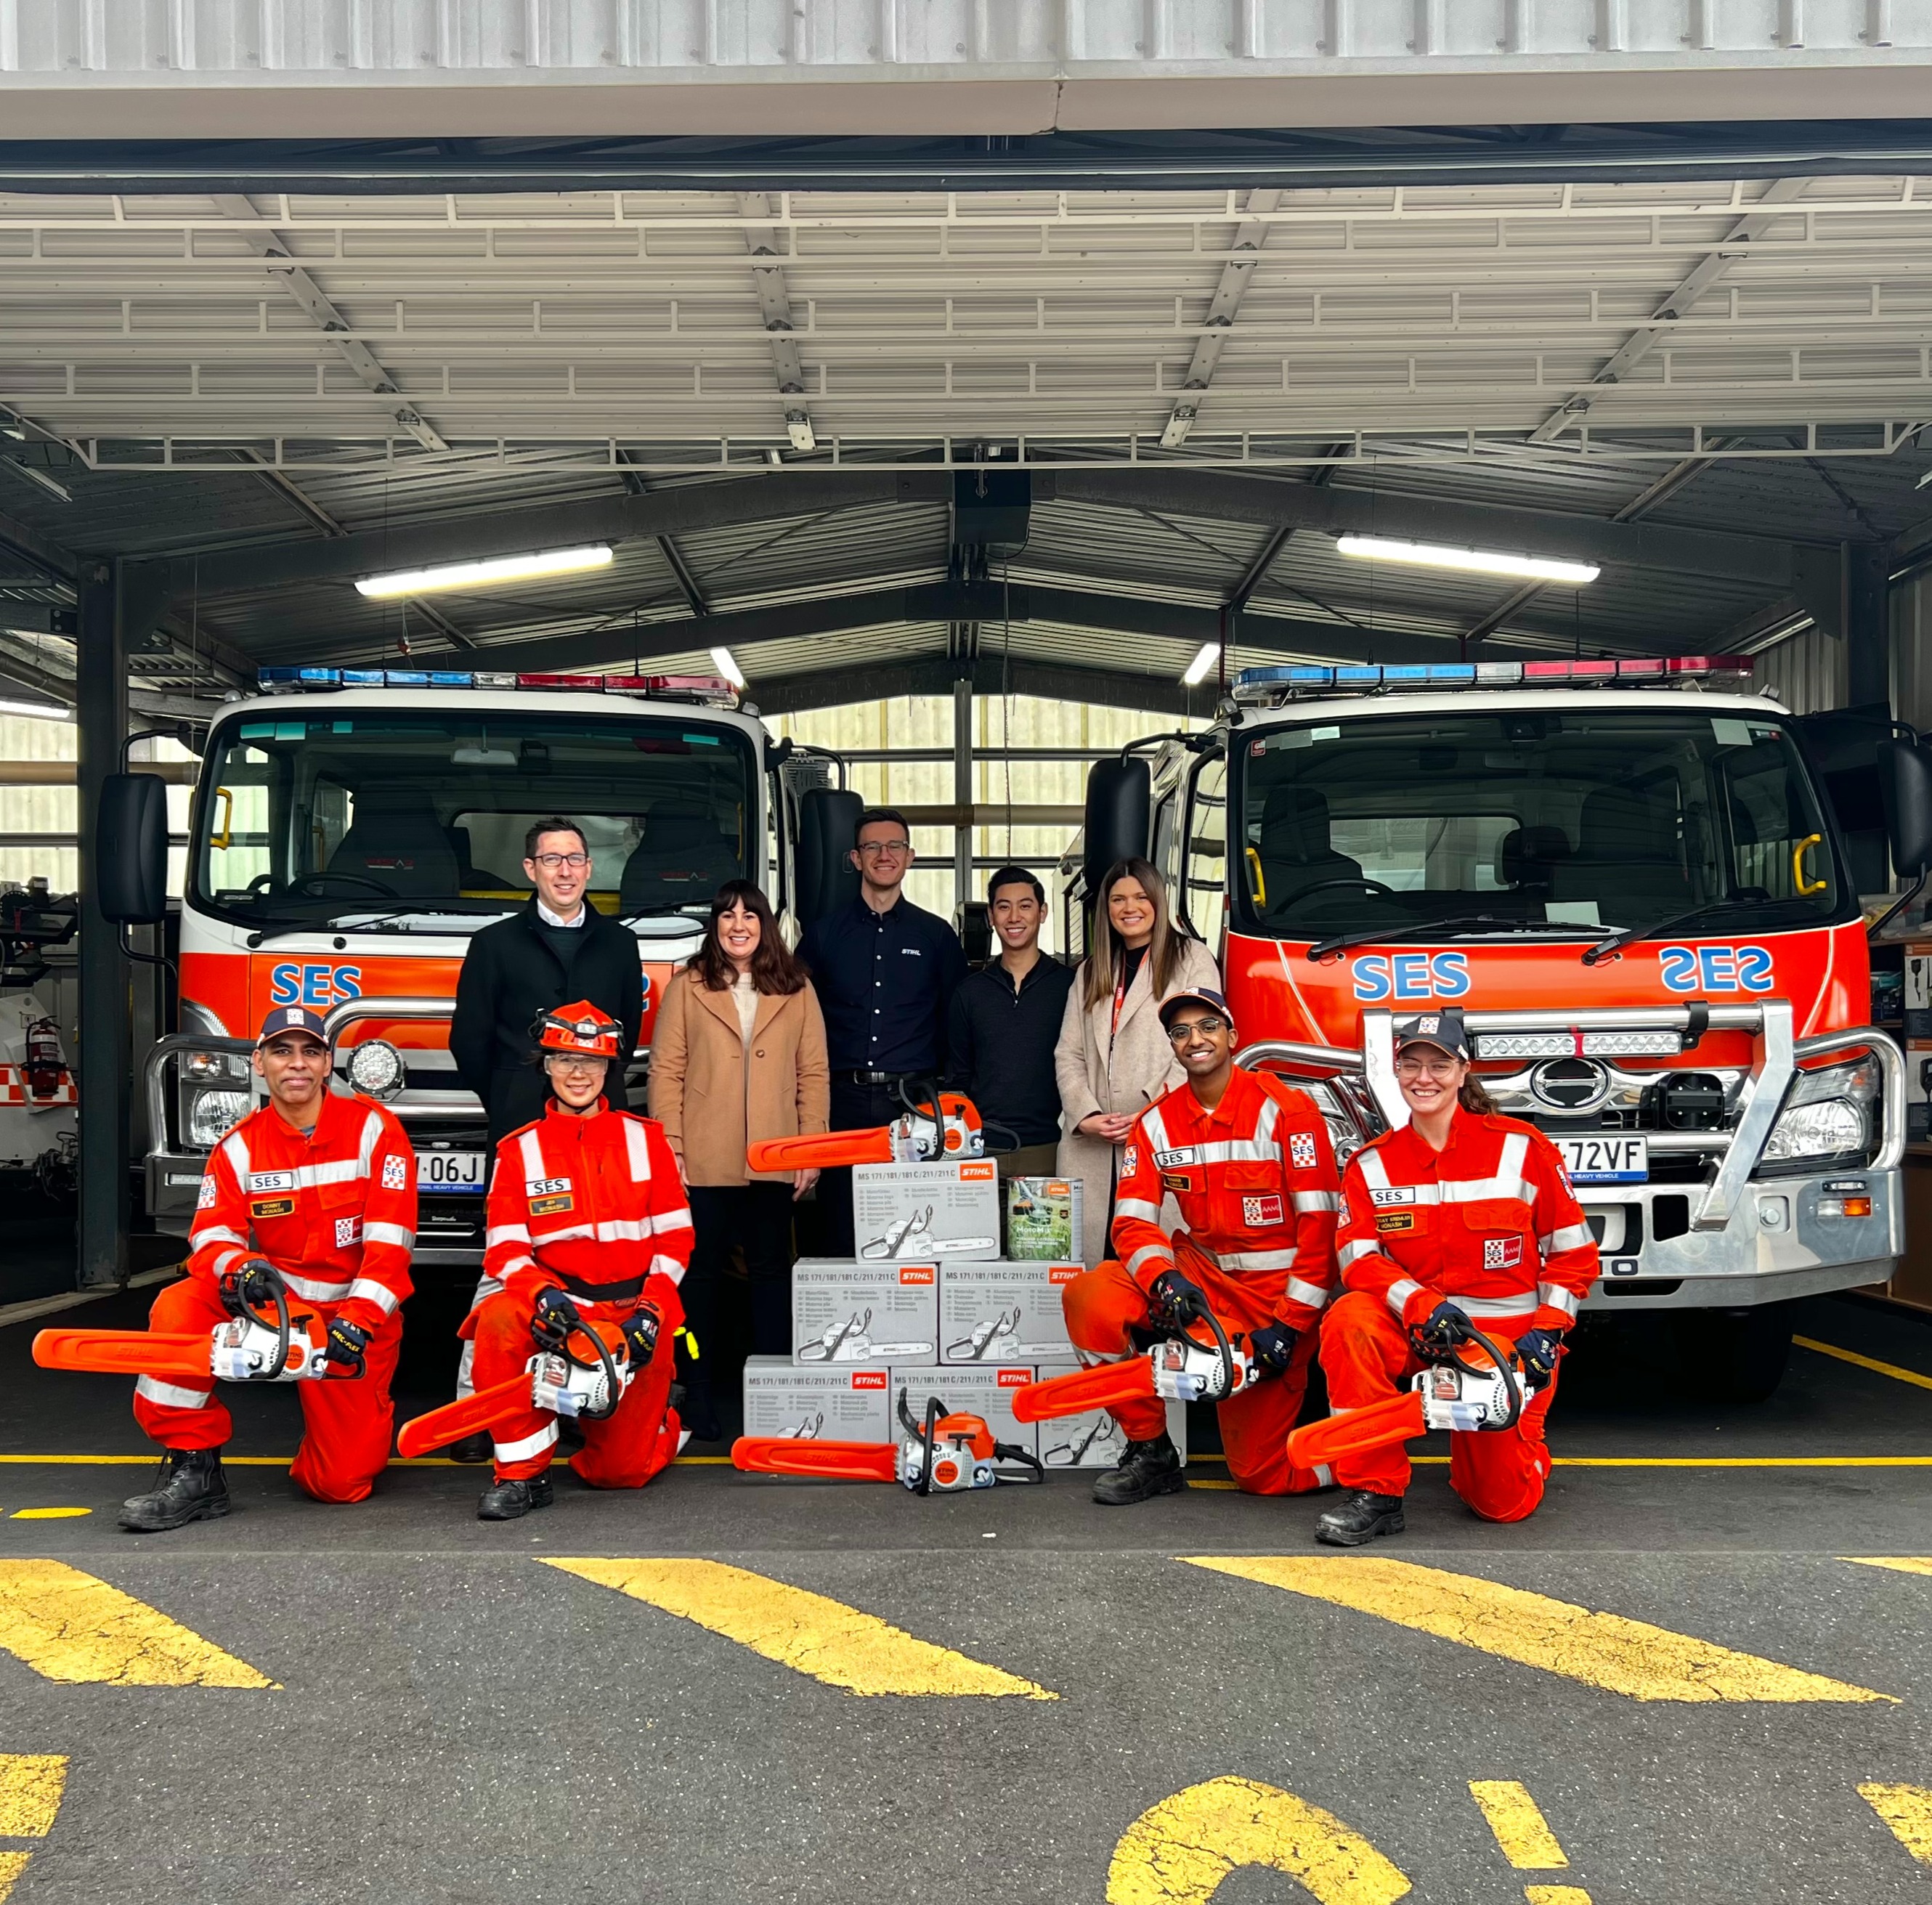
[(293, 1018)]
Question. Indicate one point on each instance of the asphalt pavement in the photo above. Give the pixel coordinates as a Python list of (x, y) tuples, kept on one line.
[(1684, 1679)]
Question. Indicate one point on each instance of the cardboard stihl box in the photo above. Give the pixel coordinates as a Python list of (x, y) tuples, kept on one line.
[(834, 1402), (1043, 1219), (1092, 1440), (913, 1212), (1003, 1312), (844, 1313), (986, 1390)]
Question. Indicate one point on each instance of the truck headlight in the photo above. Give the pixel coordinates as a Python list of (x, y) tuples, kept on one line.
[(212, 1114), (1828, 1113)]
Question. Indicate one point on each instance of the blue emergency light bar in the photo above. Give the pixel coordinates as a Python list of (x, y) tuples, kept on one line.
[(1260, 686), (713, 690)]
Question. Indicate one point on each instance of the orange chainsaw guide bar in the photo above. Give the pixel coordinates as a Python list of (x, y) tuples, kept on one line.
[(180, 1358)]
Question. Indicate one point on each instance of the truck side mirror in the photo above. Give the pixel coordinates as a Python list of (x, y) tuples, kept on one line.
[(824, 879), (1120, 805), (130, 837), (1905, 785)]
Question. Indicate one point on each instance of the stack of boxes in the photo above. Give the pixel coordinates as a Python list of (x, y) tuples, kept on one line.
[(930, 1307)]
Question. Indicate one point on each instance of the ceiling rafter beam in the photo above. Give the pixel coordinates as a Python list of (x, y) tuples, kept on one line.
[(768, 279), (264, 242), (1236, 276)]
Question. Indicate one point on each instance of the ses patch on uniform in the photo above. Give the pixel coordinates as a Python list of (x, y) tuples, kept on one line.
[(395, 1173), (548, 1206), (1301, 1152), (1258, 1213), (271, 1207), (1388, 1221), (1501, 1252)]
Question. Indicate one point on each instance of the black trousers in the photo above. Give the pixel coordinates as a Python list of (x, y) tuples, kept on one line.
[(854, 1107), (756, 1219)]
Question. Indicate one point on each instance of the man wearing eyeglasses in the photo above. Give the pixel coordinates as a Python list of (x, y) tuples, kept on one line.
[(1247, 1159), (557, 948), (886, 971)]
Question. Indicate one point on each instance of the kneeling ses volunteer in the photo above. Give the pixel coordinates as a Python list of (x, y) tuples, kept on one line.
[(323, 1186), (1463, 1214), (588, 1222), (1247, 1159)]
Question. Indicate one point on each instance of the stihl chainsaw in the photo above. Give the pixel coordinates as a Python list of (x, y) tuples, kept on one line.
[(586, 1387), (1482, 1389), (1200, 1365), (933, 1125), (246, 1348), (943, 1455)]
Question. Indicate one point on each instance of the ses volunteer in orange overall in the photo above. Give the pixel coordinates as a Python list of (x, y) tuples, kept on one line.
[(1248, 1161), (323, 1186), (1464, 1210), (588, 1221)]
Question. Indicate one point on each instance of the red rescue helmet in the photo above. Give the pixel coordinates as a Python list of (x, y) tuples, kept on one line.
[(579, 1027)]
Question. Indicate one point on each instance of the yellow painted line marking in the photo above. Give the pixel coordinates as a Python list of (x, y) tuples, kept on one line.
[(1891, 1369), (31, 1785), (1605, 1651), (1178, 1852), (70, 1627), (1519, 1826), (809, 1632), (1901, 1564), (47, 1514), (1556, 1895), (12, 1864), (1907, 1812)]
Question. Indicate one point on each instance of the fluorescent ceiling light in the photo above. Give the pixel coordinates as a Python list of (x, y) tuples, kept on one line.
[(1482, 562), (727, 665), (481, 574), (1198, 668), (45, 710)]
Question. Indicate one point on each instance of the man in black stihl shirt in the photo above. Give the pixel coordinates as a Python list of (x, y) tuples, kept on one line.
[(886, 971)]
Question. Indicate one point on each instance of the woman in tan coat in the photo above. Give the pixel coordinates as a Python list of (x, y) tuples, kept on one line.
[(1113, 1060), (738, 1053)]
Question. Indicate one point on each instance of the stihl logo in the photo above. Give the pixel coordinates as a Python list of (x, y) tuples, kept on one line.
[(871, 1378), (977, 1174), (1063, 1273), (918, 1274), (1015, 1379)]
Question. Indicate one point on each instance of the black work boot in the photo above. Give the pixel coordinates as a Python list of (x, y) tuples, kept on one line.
[(1144, 1470), (475, 1448), (192, 1488), (511, 1501), (1359, 1517)]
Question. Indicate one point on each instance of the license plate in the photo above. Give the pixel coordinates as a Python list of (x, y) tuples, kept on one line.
[(449, 1170), (1610, 1159)]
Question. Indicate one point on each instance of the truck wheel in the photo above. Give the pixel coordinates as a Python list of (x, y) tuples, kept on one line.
[(1738, 1355)]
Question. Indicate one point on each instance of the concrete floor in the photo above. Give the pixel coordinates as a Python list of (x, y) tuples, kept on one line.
[(454, 1721)]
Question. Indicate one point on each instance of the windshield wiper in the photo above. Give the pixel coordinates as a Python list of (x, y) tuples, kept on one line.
[(1619, 936), (1449, 923)]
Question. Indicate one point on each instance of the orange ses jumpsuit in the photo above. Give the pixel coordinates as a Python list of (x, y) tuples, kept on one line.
[(1488, 1223), (592, 1206), (1255, 1180), (335, 1211)]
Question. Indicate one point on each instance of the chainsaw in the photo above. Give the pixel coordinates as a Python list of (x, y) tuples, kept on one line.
[(944, 1454), (1453, 1392), (245, 1348), (933, 1125), (1185, 1368), (555, 1380)]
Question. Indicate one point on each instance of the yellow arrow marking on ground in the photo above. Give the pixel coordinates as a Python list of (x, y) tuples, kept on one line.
[(31, 1785), (1519, 1826), (1605, 1651), (809, 1632), (1907, 1811), (1178, 1852), (70, 1627)]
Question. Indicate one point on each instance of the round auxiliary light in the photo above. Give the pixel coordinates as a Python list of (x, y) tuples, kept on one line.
[(376, 1070)]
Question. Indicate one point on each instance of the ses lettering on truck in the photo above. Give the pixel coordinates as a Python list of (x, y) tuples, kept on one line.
[(316, 985), (1411, 975), (1715, 968)]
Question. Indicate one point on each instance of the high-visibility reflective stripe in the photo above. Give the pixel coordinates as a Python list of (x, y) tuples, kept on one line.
[(1571, 1236), (1156, 1128), (677, 1219), (366, 1289), (170, 1395), (1137, 1207), (535, 1170), (216, 1234), (521, 1451), (1311, 1294), (1399, 1292), (1517, 1303), (395, 1234), (505, 1233), (1159, 1253), (664, 1266), (237, 1148), (1258, 1259), (315, 1291), (1353, 1253), (637, 1147), (1317, 1201), (1553, 1296), (365, 1152)]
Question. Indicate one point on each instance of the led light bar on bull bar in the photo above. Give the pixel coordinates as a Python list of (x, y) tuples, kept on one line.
[(709, 689), (1662, 1043), (1261, 685)]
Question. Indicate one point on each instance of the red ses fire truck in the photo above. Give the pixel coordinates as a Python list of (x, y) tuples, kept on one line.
[(1629, 877)]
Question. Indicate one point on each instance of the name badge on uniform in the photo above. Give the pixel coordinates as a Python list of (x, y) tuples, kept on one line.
[(548, 1206), (1388, 1221), (271, 1207), (1258, 1213)]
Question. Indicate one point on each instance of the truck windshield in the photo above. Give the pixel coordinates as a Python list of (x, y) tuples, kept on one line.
[(1575, 819), (360, 815)]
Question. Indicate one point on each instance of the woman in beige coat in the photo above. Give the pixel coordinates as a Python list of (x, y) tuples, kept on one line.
[(737, 1055), (1113, 1060)]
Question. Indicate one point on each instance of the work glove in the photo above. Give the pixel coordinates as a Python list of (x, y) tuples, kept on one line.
[(1272, 1346), (553, 1318), (1538, 1350), (243, 1289), (1175, 1301), (1444, 1328), (640, 1334), (345, 1343)]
